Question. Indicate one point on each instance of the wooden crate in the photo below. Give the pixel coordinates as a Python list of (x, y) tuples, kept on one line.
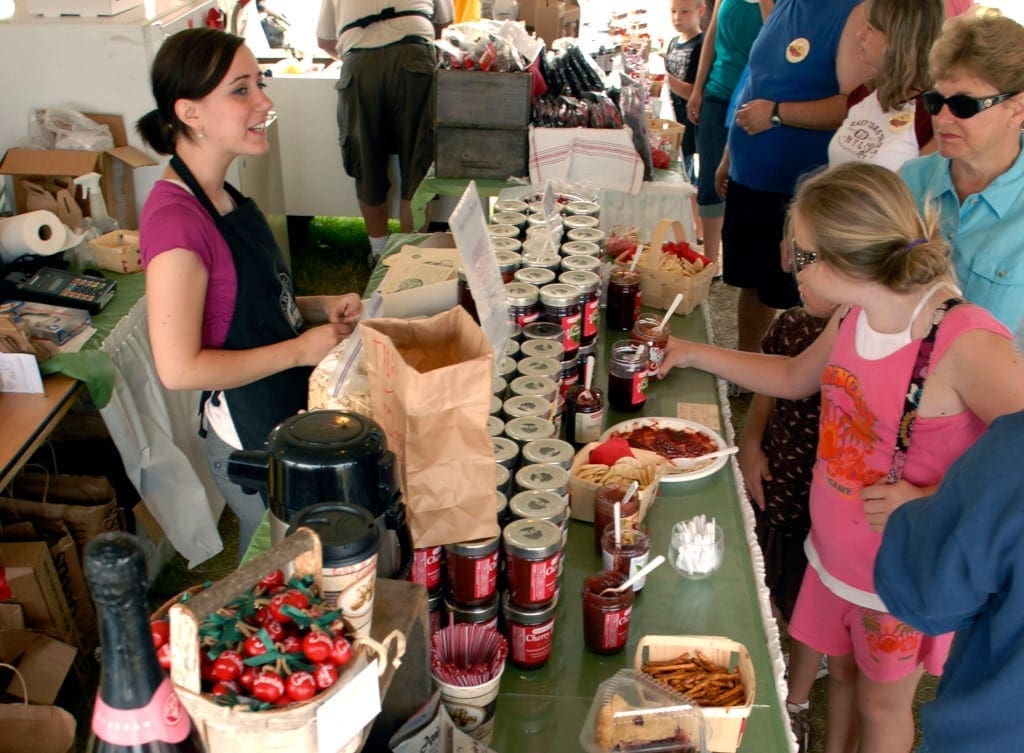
[(482, 99), (481, 152), (724, 726)]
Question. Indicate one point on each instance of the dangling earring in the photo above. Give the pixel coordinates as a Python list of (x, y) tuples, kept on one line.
[(201, 134)]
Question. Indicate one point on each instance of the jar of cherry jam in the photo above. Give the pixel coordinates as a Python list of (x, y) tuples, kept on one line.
[(604, 509), (560, 304), (533, 549), (606, 615), (623, 299), (584, 415), (426, 567), (648, 331), (530, 633), (521, 298), (628, 376), (473, 570)]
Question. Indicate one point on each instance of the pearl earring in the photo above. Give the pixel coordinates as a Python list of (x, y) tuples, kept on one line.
[(200, 134)]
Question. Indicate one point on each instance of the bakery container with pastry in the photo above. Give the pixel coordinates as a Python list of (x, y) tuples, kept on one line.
[(671, 659), (630, 712)]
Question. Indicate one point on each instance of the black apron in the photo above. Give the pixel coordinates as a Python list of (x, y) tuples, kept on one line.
[(265, 313)]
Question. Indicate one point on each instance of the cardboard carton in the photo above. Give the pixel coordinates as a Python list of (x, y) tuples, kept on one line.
[(36, 586), (550, 19), (114, 165), (44, 664)]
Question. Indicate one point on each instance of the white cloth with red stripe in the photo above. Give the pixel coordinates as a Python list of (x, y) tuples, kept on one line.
[(597, 156)]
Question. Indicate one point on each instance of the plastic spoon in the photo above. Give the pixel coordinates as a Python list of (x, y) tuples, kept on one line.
[(588, 375), (633, 486), (617, 519), (636, 258), (689, 462), (671, 310), (642, 572)]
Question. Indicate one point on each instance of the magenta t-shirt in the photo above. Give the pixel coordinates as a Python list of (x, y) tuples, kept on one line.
[(173, 218)]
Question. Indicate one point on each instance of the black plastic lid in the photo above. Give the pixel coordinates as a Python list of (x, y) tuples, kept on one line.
[(328, 437), (348, 533)]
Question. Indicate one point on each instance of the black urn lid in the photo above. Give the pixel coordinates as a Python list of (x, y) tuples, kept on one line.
[(348, 533), (327, 438)]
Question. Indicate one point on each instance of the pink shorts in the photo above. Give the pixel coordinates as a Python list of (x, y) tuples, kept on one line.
[(884, 648)]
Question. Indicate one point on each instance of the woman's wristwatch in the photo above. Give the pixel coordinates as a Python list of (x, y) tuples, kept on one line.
[(776, 118)]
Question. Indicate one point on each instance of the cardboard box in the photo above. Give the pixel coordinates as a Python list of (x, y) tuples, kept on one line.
[(44, 663), (36, 586), (114, 165), (550, 19)]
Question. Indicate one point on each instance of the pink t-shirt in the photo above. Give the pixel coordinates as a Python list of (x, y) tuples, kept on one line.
[(173, 218), (861, 406), (956, 7)]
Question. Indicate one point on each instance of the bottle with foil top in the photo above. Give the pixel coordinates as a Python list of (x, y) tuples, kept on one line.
[(136, 709)]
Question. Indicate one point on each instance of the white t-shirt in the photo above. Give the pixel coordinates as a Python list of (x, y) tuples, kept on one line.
[(870, 135), (336, 14)]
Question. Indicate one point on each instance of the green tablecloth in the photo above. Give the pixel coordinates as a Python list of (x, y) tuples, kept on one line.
[(91, 365)]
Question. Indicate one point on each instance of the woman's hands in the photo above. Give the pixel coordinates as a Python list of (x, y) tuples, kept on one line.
[(755, 116), (335, 317), (343, 310), (882, 498)]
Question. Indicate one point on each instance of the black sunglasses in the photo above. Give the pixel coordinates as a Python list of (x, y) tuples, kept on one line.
[(960, 105), (802, 258)]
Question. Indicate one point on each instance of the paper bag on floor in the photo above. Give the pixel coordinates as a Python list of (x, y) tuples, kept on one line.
[(430, 387)]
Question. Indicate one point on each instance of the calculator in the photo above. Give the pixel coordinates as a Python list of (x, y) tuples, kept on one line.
[(60, 288)]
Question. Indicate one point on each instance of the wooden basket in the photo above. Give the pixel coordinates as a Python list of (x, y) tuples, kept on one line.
[(581, 491), (724, 726), (228, 729), (659, 286), (669, 130)]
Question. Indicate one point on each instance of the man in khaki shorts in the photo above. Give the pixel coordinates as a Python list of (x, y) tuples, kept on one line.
[(385, 97)]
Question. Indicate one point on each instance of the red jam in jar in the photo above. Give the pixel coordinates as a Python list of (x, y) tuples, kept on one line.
[(584, 415), (629, 555), (589, 285), (560, 304), (606, 617), (426, 567), (604, 509), (648, 331), (533, 549), (627, 376), (473, 570), (530, 633), (485, 614), (623, 299), (521, 299), (438, 617)]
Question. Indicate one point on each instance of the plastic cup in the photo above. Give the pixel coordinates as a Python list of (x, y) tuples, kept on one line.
[(472, 707)]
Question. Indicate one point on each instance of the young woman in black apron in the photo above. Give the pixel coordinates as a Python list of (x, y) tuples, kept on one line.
[(223, 315)]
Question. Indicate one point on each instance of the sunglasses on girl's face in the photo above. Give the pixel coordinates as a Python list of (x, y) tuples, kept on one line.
[(960, 105), (802, 258)]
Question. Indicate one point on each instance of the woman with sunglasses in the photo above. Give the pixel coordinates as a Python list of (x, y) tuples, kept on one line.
[(976, 180), (887, 123), (859, 241)]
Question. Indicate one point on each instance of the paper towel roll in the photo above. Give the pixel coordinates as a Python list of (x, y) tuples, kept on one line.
[(38, 232)]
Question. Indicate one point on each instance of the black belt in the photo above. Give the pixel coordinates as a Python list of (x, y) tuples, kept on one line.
[(385, 15), (411, 39)]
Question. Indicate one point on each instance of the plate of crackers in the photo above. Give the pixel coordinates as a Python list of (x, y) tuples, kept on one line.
[(673, 438), (622, 471)]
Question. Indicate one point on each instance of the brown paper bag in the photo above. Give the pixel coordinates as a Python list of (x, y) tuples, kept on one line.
[(39, 729), (430, 387)]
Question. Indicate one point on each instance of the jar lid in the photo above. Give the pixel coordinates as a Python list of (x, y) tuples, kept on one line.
[(543, 477), (538, 218), (580, 220), (506, 244), (528, 616), (532, 538), (509, 218), (495, 426), (580, 248), (521, 294), (587, 282), (542, 386), (559, 294), (480, 613), (506, 366), (544, 259), (476, 548), (534, 275), (527, 405), (500, 504), (582, 207), (501, 476), (552, 451), (507, 260), (495, 406), (541, 504), (348, 533), (503, 231), (537, 366), (499, 385), (511, 348), (542, 349), (505, 450), (510, 205), (542, 331), (527, 428), (627, 351), (581, 263), (592, 234)]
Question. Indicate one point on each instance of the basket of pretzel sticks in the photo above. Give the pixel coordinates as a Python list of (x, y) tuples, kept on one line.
[(714, 672), (669, 265)]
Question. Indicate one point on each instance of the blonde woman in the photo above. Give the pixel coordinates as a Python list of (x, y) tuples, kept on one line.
[(859, 242), (887, 123), (976, 180)]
